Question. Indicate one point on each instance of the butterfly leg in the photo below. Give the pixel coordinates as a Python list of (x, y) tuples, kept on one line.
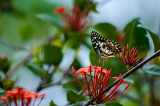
[(98, 62), (111, 56)]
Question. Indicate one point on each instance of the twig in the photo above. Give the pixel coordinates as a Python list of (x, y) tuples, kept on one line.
[(58, 82), (125, 75), (12, 71), (11, 45), (45, 79)]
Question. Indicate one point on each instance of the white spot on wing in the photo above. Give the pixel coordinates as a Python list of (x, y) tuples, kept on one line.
[(107, 51)]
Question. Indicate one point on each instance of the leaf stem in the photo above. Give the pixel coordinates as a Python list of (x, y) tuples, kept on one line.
[(125, 75)]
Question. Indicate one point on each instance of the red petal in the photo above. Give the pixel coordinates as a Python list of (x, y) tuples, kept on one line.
[(59, 10)]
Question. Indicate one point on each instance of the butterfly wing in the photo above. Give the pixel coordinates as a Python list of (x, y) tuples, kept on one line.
[(104, 47)]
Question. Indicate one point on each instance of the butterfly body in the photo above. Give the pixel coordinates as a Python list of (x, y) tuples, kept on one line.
[(104, 48)]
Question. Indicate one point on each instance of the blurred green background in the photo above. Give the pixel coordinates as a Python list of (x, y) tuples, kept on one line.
[(41, 49)]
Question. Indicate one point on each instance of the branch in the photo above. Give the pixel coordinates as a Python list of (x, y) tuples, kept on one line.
[(11, 45), (125, 75), (46, 79), (12, 71), (25, 60), (58, 82)]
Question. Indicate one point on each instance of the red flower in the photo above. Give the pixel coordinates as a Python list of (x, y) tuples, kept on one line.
[(99, 78), (121, 37), (76, 19), (118, 78), (25, 96), (4, 58), (59, 10), (129, 58), (82, 71)]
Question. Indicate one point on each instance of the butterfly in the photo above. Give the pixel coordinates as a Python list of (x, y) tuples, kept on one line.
[(104, 48)]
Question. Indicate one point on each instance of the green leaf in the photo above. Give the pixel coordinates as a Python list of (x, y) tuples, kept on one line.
[(77, 104), (89, 5), (72, 97), (135, 35), (73, 85), (113, 104), (51, 54), (76, 34), (129, 80), (93, 57), (76, 64), (2, 92), (75, 39), (52, 103), (52, 19), (8, 84), (4, 65), (73, 43), (37, 71), (107, 30), (26, 32), (152, 69), (156, 40)]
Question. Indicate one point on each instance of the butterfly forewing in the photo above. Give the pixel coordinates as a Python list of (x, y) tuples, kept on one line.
[(104, 47)]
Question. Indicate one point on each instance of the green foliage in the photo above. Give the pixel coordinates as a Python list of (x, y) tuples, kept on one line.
[(4, 7), (74, 85), (152, 69), (76, 64), (26, 32), (75, 39), (30, 20), (51, 19), (8, 84), (73, 43), (113, 104), (4, 65), (51, 54), (107, 30), (77, 104), (135, 35), (129, 80), (37, 71), (30, 7), (2, 92), (72, 97), (52, 103), (93, 57), (156, 40), (89, 5)]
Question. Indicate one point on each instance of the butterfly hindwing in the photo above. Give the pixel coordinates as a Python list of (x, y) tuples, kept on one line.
[(104, 47)]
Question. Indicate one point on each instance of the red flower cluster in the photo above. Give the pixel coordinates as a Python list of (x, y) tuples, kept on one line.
[(76, 19), (99, 78), (25, 96), (129, 58)]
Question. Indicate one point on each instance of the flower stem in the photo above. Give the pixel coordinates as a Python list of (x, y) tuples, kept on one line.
[(125, 75)]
